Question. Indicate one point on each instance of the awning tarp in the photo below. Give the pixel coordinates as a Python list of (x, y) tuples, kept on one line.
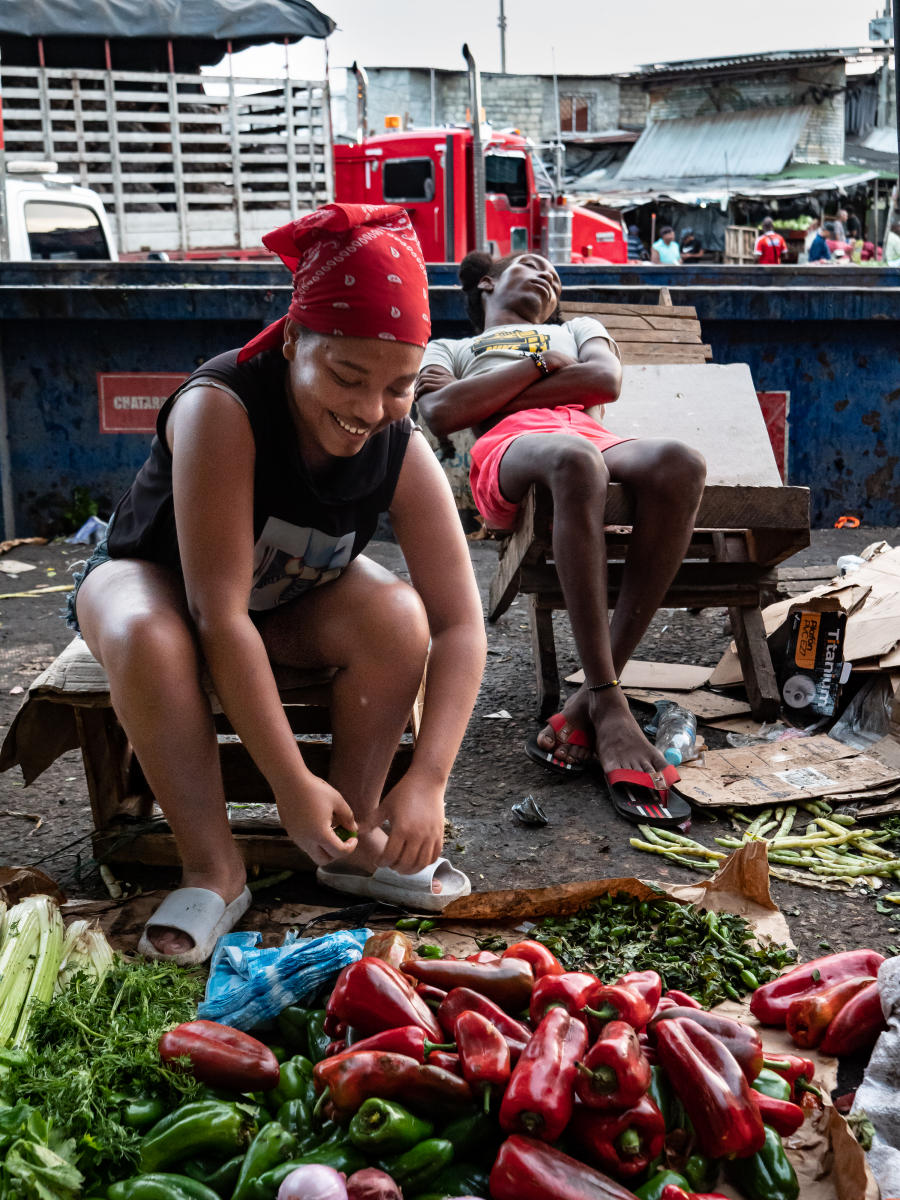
[(754, 142), (221, 20), (720, 191)]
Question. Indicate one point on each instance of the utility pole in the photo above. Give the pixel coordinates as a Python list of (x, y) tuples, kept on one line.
[(502, 23)]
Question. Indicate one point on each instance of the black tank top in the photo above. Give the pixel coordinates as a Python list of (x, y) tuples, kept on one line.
[(305, 532)]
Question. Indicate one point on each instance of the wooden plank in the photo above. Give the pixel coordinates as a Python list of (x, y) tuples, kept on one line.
[(726, 506), (635, 354), (519, 548), (759, 675), (587, 307), (541, 577), (268, 851), (543, 650), (660, 337), (105, 753), (681, 324)]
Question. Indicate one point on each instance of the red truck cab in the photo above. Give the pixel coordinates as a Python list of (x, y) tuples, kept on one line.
[(430, 172)]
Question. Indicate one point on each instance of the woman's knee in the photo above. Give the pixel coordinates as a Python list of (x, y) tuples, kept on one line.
[(394, 625), (150, 642)]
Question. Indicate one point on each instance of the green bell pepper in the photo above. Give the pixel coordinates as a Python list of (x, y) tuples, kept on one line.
[(384, 1127), (474, 1136), (204, 1127), (157, 1186), (663, 1096), (459, 1179), (295, 1082), (701, 1172), (653, 1188), (413, 1169), (291, 1023), (768, 1174), (220, 1176), (144, 1111), (295, 1116), (271, 1146), (318, 1039), (769, 1083)]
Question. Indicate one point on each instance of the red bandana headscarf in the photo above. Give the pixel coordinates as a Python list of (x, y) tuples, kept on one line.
[(358, 272)]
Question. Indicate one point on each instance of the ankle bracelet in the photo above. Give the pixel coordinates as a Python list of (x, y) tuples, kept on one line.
[(601, 687)]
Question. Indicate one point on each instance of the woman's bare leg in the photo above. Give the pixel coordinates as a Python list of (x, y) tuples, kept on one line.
[(134, 619), (666, 480), (371, 626)]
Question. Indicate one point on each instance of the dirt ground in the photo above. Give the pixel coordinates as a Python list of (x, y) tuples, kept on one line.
[(583, 840)]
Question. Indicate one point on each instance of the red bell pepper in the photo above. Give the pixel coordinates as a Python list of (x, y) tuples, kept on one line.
[(483, 1054), (623, 1143), (526, 1169), (673, 1192), (616, 1002), (354, 1077), (482, 956), (508, 982), (647, 983), (784, 1117), (615, 1072), (712, 1087), (568, 991), (809, 1016), (543, 961), (446, 1061), (540, 1095), (407, 1039), (682, 998), (432, 996), (857, 1025), (743, 1042), (798, 1072), (373, 996), (221, 1056), (462, 1000), (769, 1003)]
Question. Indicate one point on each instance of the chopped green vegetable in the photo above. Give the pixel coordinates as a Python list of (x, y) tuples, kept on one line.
[(711, 957)]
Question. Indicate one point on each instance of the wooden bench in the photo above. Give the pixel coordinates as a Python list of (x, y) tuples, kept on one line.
[(748, 520), (68, 707)]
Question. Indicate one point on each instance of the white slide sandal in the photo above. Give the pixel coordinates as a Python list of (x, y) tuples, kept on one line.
[(201, 914), (409, 891)]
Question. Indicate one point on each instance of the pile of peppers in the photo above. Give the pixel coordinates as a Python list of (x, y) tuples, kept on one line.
[(503, 1077)]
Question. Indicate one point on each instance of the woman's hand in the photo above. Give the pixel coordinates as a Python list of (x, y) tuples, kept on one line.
[(414, 809), (309, 817)]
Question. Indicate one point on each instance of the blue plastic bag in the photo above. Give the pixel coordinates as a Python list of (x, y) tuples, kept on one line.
[(248, 984)]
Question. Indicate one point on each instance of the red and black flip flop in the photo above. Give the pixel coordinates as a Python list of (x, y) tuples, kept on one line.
[(547, 758), (646, 798)]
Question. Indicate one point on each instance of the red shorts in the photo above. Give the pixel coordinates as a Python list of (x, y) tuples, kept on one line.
[(488, 451)]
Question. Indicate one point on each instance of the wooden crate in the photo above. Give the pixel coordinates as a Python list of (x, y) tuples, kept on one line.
[(739, 243)]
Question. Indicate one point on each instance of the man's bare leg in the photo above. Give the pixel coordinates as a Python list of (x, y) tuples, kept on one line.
[(667, 480)]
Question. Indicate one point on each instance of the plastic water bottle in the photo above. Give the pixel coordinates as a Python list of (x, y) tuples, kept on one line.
[(676, 735)]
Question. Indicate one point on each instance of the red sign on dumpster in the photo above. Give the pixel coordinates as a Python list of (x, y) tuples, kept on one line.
[(775, 409), (130, 401)]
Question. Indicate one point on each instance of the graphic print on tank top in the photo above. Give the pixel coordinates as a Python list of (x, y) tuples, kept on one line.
[(290, 559), (526, 341)]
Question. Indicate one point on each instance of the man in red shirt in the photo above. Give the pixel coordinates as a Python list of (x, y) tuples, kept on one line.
[(769, 245)]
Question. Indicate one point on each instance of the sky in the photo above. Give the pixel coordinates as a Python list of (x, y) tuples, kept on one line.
[(590, 39)]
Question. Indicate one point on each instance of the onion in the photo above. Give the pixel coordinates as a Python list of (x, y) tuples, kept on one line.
[(313, 1182), (372, 1184)]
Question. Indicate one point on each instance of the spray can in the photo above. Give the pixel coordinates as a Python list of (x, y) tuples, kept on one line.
[(676, 735)]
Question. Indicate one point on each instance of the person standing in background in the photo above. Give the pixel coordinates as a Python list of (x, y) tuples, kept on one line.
[(665, 249), (818, 247), (770, 245), (636, 249), (691, 246), (892, 246)]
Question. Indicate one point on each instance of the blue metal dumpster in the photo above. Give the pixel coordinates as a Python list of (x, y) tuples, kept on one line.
[(828, 336)]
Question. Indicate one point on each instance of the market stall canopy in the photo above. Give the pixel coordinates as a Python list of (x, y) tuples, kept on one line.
[(201, 30), (754, 142), (222, 20), (719, 190)]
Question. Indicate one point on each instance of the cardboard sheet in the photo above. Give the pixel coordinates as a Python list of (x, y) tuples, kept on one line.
[(679, 677), (704, 704), (783, 773)]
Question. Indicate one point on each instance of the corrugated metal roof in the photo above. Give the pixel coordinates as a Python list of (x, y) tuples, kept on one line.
[(764, 58), (720, 191), (756, 142)]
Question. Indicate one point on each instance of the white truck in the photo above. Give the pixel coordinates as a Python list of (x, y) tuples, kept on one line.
[(44, 215)]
